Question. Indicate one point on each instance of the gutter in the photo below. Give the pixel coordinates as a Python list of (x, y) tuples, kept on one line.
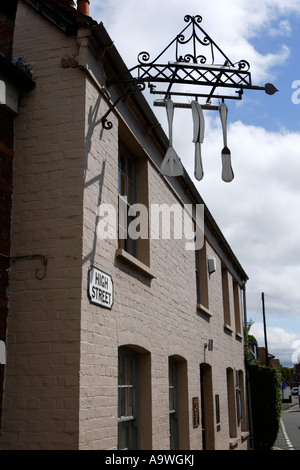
[(247, 379), (17, 72)]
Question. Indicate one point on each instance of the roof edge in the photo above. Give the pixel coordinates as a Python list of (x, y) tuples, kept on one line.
[(18, 72)]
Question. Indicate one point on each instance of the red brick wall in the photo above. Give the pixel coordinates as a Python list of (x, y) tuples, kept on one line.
[(6, 35), (7, 15), (6, 162)]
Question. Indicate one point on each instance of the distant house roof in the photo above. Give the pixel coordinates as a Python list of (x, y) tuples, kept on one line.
[(64, 16)]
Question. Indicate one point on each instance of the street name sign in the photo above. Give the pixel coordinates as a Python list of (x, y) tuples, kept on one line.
[(100, 288)]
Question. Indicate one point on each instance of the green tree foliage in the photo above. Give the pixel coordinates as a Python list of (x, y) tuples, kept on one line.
[(265, 397), (265, 404), (250, 339)]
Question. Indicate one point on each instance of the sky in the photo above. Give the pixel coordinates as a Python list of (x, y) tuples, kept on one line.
[(258, 212)]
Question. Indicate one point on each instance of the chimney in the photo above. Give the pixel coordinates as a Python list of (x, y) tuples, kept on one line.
[(83, 6)]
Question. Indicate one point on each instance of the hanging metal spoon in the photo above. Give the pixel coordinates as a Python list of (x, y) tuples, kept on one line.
[(227, 172)]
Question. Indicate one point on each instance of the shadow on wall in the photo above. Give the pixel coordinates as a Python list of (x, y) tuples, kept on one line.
[(93, 122)]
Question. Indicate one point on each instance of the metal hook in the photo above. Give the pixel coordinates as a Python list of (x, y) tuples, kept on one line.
[(32, 257)]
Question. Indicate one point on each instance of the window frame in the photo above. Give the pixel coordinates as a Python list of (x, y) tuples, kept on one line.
[(135, 253), (174, 412), (202, 278), (126, 174), (125, 433)]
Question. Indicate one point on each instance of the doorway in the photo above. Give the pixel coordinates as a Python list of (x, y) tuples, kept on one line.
[(207, 410)]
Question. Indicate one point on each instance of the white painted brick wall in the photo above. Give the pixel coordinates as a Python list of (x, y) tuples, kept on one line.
[(40, 408), (62, 365)]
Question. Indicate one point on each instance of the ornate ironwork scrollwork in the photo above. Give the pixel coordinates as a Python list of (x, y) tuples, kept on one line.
[(140, 86), (194, 19), (182, 39), (192, 67), (107, 124), (143, 57), (243, 65)]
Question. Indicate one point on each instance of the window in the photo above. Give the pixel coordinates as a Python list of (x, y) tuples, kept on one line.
[(231, 403), (128, 401), (202, 277), (173, 403), (236, 403), (217, 405), (127, 197), (134, 399), (226, 299), (237, 308), (178, 404), (134, 243), (240, 400), (239, 410)]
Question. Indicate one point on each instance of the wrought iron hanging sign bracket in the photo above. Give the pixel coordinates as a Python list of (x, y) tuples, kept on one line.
[(199, 64)]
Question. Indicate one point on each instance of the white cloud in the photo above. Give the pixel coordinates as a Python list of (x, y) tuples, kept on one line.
[(283, 29), (258, 213), (152, 25), (280, 343), (296, 353)]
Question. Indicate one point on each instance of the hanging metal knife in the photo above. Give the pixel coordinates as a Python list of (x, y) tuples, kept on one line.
[(199, 127)]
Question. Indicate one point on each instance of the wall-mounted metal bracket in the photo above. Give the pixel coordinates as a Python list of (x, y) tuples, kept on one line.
[(43, 258), (132, 87)]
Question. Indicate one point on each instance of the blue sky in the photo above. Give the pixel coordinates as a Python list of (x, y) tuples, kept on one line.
[(278, 111), (259, 211)]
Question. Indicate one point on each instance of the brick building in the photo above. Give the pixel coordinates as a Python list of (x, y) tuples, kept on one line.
[(111, 343), (272, 361), (15, 80)]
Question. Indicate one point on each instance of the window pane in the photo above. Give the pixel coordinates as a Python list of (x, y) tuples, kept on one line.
[(127, 188), (127, 183), (127, 435), (122, 184), (127, 399), (173, 400), (173, 432)]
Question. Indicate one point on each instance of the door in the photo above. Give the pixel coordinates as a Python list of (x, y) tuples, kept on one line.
[(207, 411)]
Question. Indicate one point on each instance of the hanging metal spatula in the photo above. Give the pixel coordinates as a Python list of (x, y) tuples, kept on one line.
[(171, 164), (199, 126), (227, 172)]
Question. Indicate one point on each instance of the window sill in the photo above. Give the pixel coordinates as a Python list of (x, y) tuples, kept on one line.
[(239, 336), (135, 263), (204, 310), (228, 328), (234, 442)]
